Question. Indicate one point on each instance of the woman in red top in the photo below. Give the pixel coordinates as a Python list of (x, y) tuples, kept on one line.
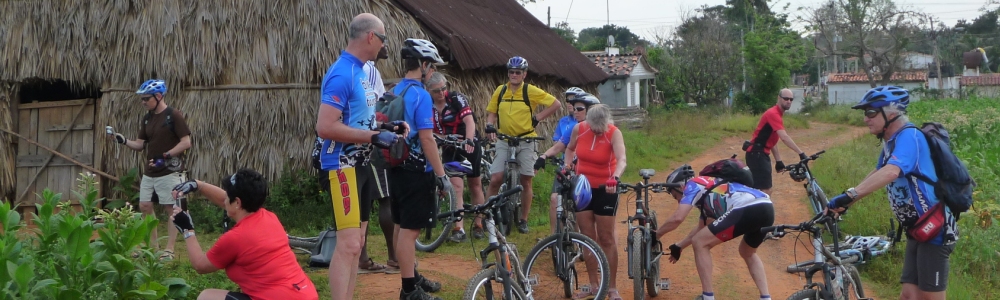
[(255, 252), (599, 149)]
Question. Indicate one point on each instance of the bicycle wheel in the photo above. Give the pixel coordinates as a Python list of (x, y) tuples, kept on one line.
[(636, 258), (304, 245), (653, 276), (484, 285), (855, 290), (551, 282), (809, 294), (818, 200), (432, 237)]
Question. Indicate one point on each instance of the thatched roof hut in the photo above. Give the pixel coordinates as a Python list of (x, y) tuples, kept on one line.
[(246, 77)]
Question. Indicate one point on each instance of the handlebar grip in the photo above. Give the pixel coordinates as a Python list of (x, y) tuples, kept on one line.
[(508, 193), (671, 185), (771, 229), (449, 214), (820, 152)]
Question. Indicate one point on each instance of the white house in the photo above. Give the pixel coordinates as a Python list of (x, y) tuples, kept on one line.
[(848, 88), (631, 80)]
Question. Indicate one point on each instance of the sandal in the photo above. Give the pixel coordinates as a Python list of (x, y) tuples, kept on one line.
[(372, 267), (167, 255), (391, 267), (613, 295)]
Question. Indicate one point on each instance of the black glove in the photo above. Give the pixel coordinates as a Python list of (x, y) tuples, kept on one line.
[(394, 126), (534, 121), (384, 139), (490, 128), (182, 221), (839, 201), (803, 156), (186, 187), (119, 138), (779, 166), (675, 251), (540, 163)]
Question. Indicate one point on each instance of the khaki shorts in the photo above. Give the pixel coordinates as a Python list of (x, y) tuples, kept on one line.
[(526, 157), (162, 186)]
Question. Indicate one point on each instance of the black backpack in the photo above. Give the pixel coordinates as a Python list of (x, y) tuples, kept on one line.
[(524, 97), (729, 170), (954, 185), (169, 122), (394, 108)]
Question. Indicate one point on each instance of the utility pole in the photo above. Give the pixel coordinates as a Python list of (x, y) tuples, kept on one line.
[(607, 5), (548, 20), (743, 59), (937, 60)]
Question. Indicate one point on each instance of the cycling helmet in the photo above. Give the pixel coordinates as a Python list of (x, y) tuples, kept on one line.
[(585, 98), (458, 168), (681, 174), (581, 192), (574, 91), (517, 62), (152, 86), (883, 96), (421, 49), (862, 242), (797, 172)]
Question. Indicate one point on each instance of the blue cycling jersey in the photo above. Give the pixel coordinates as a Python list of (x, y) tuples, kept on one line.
[(564, 130), (419, 115), (346, 88)]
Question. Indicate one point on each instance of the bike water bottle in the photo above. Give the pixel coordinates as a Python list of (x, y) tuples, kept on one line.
[(110, 130)]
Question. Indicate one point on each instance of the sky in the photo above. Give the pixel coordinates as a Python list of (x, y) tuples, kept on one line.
[(647, 17)]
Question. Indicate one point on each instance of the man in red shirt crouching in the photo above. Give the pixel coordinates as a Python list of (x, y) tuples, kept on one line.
[(255, 252)]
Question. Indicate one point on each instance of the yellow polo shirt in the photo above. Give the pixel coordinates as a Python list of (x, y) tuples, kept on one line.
[(514, 118)]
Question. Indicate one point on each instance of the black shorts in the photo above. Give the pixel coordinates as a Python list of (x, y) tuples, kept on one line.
[(413, 198), (450, 154), (380, 188), (760, 166), (237, 296), (602, 203), (745, 221), (926, 265)]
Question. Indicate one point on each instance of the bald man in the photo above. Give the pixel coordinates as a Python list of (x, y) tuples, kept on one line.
[(770, 128), (346, 124)]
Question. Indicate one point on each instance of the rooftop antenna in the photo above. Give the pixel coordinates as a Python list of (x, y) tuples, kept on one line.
[(608, 10)]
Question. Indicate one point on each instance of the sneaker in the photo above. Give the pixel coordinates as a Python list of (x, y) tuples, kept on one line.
[(522, 226), (427, 285), (477, 233), (417, 294), (457, 236)]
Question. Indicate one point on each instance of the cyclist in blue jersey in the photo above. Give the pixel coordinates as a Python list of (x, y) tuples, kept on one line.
[(578, 101), (413, 202), (905, 156), (727, 211), (346, 123)]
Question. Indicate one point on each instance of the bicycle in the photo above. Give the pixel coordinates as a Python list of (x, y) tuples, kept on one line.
[(840, 279), (643, 248), (558, 271), (504, 274), (434, 235), (800, 172), (510, 212)]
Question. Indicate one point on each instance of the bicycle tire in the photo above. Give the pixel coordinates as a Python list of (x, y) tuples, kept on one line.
[(483, 286), (819, 200), (857, 288), (431, 238), (542, 267), (635, 260), (303, 243), (807, 294), (654, 270)]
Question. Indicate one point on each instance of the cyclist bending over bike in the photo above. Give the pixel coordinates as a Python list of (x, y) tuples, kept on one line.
[(600, 151), (905, 158), (579, 101), (255, 252), (728, 210), (511, 108), (453, 115)]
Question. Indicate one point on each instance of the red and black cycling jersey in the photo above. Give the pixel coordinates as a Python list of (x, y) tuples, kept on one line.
[(449, 119), (765, 137)]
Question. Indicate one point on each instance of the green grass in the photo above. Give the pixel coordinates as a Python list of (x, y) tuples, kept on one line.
[(835, 114), (976, 260)]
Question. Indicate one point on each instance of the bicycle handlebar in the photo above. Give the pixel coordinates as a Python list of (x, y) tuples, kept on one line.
[(474, 209), (505, 137), (804, 226), (655, 187), (812, 157), (451, 139)]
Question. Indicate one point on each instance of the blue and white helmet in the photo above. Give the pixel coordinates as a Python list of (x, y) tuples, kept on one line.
[(517, 62), (582, 192), (884, 96), (152, 86)]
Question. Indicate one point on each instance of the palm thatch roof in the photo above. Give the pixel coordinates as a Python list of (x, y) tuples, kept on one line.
[(245, 73)]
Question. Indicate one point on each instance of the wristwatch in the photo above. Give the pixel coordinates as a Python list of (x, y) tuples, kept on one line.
[(852, 193), (188, 233)]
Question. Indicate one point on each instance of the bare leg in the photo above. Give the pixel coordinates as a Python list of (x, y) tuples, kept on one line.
[(147, 210), (703, 242), (459, 186), (406, 251), (476, 192), (343, 272), (213, 294), (585, 219), (171, 230), (388, 228), (553, 203), (526, 196), (755, 266), (609, 243)]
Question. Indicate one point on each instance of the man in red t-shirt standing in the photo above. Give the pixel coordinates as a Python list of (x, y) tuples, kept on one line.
[(255, 252), (769, 130)]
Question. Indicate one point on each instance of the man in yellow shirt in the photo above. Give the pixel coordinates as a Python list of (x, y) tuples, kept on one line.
[(512, 110)]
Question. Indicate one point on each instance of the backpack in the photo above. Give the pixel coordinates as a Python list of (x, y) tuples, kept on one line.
[(169, 122), (954, 186), (729, 170), (392, 109), (524, 97)]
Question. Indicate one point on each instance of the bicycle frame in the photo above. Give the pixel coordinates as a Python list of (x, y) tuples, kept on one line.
[(817, 198), (640, 221), (834, 269)]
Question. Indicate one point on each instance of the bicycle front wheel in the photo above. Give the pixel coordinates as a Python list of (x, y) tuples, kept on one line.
[(302, 245), (809, 294), (636, 258), (556, 271), (818, 200), (433, 236), (852, 288), (486, 285)]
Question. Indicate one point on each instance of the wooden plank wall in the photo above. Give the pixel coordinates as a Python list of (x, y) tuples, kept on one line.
[(47, 122)]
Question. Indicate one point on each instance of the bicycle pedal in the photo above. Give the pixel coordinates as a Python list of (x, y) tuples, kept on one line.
[(663, 284), (533, 279), (585, 288)]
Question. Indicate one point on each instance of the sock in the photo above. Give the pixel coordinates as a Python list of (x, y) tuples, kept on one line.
[(707, 296), (765, 297), (409, 285)]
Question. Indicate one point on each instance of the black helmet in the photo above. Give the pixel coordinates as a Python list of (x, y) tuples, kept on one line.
[(681, 174)]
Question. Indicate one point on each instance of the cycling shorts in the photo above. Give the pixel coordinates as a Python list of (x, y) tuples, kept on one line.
[(760, 166), (602, 203), (746, 221), (413, 197), (926, 265), (350, 190), (450, 154)]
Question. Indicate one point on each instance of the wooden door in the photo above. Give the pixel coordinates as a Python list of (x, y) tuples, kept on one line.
[(65, 126)]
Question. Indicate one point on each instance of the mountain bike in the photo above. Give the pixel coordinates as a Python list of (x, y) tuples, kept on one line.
[(800, 172), (840, 279), (511, 178), (643, 249), (434, 235), (502, 278), (556, 276)]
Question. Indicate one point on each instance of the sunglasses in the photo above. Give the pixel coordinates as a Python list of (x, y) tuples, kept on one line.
[(515, 72), (146, 98), (871, 113), (381, 37), (579, 108), (439, 90), (788, 99)]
